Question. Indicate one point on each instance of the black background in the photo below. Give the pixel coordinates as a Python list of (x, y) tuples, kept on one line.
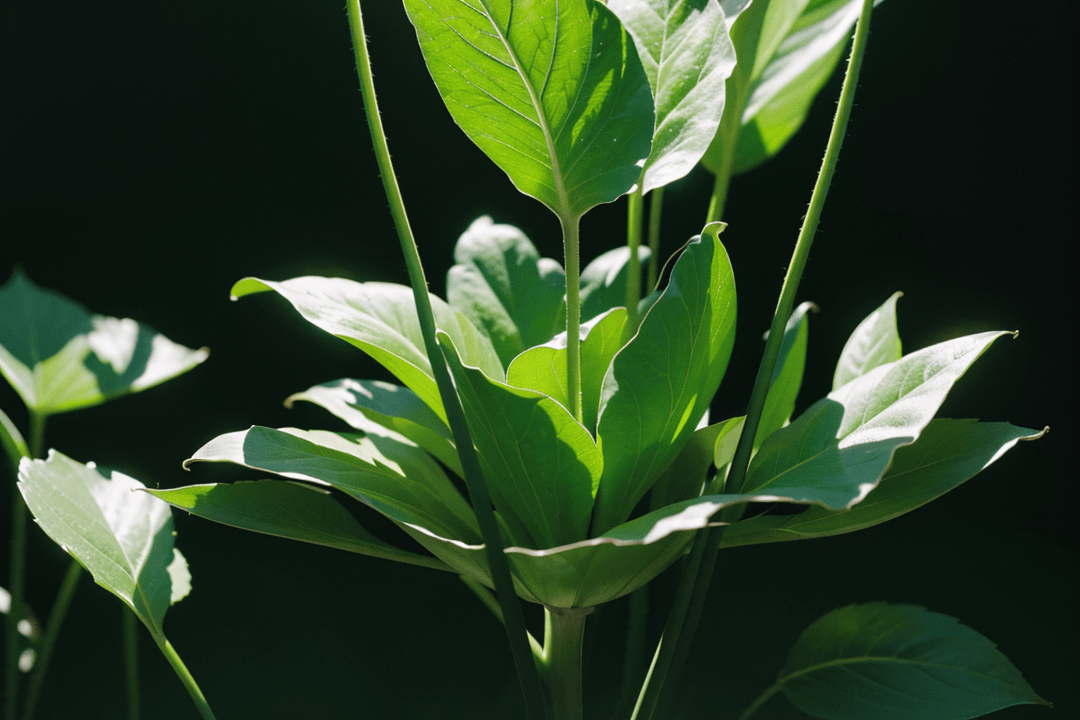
[(154, 153)]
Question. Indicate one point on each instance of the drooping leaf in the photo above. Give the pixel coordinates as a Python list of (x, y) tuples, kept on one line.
[(501, 283), (289, 510), (361, 403), (874, 342), (551, 90), (687, 55), (843, 443), (541, 466), (787, 375), (59, 357), (946, 454), (383, 471), (543, 368), (662, 381), (603, 281), (380, 319), (899, 662), (124, 538)]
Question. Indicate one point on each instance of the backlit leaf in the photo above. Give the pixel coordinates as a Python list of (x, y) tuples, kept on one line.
[(874, 342)]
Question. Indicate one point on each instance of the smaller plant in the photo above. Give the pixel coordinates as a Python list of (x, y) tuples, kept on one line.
[(59, 358)]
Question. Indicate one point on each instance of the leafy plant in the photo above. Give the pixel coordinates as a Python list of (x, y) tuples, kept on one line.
[(573, 404)]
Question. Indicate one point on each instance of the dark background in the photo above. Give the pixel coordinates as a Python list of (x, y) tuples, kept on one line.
[(154, 153)]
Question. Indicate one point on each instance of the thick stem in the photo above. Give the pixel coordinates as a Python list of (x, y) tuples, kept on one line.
[(485, 515), (656, 203), (185, 677), (635, 208), (562, 648), (572, 260), (707, 545), (57, 614)]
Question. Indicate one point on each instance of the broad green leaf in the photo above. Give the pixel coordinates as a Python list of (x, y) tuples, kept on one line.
[(874, 342), (661, 383), (946, 454), (360, 403), (787, 375), (603, 281), (380, 319), (541, 466), (289, 510), (15, 446), (543, 368), (551, 90), (124, 538), (29, 629), (787, 51), (505, 288), (685, 477), (687, 55), (899, 662), (835, 452), (383, 471), (59, 357)]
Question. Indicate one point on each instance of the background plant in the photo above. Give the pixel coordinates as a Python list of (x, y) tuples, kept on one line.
[(991, 306)]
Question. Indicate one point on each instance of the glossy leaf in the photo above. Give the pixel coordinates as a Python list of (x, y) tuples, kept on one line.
[(288, 510), (874, 342), (946, 454), (687, 55), (899, 662), (59, 357), (361, 403), (382, 471), (380, 319), (124, 538), (662, 382), (787, 375), (603, 281), (551, 90), (541, 466), (843, 443), (543, 368), (505, 288)]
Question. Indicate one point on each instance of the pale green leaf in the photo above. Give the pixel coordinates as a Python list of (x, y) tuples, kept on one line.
[(603, 281), (787, 375), (874, 342)]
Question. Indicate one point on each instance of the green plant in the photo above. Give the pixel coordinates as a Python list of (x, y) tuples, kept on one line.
[(582, 540)]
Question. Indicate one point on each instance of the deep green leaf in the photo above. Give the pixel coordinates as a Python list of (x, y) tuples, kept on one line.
[(361, 403), (685, 477), (787, 375), (543, 368), (380, 319), (551, 90), (835, 452), (60, 357), (382, 471), (874, 342), (899, 662), (946, 454), (662, 382), (289, 510), (501, 283), (603, 281), (124, 538), (541, 466), (687, 55)]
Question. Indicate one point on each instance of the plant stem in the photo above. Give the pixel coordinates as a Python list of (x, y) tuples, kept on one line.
[(572, 261), (730, 127), (761, 700), (131, 660), (656, 203), (565, 631), (707, 544), (500, 571), (185, 677), (635, 208), (59, 610)]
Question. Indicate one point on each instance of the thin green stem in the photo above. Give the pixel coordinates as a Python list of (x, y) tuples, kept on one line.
[(636, 647), (185, 677), (761, 700), (572, 261), (563, 637), (57, 614), (656, 203), (131, 660), (707, 545), (729, 129), (635, 210), (512, 613)]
